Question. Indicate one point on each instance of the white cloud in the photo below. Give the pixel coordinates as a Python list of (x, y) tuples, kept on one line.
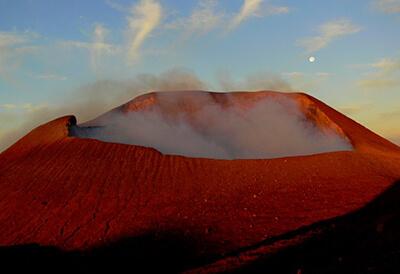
[(249, 8), (327, 33), (144, 18), (256, 8), (387, 6)]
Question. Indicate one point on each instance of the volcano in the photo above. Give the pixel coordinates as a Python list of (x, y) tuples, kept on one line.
[(219, 125), (107, 193)]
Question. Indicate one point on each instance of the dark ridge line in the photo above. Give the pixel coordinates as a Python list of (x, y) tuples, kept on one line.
[(320, 228)]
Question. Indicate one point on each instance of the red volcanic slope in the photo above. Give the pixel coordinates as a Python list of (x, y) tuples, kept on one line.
[(80, 193)]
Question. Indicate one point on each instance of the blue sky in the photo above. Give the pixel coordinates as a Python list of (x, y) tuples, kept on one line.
[(52, 51)]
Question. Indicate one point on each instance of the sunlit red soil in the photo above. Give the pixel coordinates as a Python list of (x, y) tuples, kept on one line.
[(76, 194)]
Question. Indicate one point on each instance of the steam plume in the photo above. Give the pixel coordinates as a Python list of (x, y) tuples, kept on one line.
[(269, 129)]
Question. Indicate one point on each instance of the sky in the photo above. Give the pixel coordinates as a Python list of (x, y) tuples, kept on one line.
[(84, 57)]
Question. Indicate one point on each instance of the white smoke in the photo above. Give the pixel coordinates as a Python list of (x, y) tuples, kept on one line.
[(273, 127), (93, 99)]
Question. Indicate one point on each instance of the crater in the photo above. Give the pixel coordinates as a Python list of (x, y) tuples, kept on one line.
[(239, 125)]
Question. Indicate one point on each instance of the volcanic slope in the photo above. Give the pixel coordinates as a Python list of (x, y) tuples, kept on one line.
[(78, 194)]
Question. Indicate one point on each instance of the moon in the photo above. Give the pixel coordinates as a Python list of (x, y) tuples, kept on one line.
[(311, 59)]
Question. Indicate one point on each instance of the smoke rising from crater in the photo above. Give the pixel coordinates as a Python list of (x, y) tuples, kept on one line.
[(95, 98), (271, 128)]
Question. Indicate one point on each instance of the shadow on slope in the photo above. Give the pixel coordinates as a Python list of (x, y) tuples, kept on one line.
[(168, 252), (366, 241)]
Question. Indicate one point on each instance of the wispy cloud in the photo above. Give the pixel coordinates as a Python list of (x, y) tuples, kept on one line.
[(8, 106), (8, 39), (18, 119), (143, 19), (387, 6), (350, 110), (390, 114), (24, 107), (323, 74), (90, 100), (355, 108), (76, 44), (98, 46), (387, 65), (293, 74), (203, 19), (256, 8), (206, 17), (115, 5), (13, 46), (386, 75), (306, 81), (297, 74), (249, 8), (273, 10), (375, 82), (50, 76), (390, 118), (327, 33), (258, 81)]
